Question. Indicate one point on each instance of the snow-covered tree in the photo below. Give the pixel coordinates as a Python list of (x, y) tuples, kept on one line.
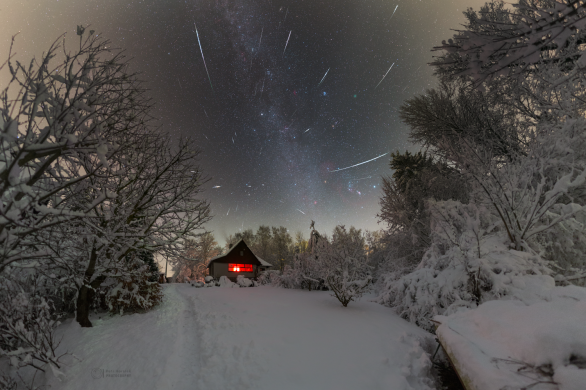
[(416, 178), (197, 254), (282, 246), (519, 144), (53, 115), (513, 42), (93, 181), (307, 269), (156, 208), (345, 265)]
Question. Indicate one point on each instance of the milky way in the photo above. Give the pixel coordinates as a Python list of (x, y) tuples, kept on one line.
[(289, 95)]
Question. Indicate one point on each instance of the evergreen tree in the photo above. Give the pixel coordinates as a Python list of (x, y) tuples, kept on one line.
[(147, 257)]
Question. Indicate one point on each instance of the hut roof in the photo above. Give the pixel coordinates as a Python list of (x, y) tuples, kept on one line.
[(261, 261)]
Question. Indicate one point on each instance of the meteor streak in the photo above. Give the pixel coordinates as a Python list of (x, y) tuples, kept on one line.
[(286, 43), (260, 40), (393, 12), (355, 165), (323, 78), (364, 178), (216, 186), (384, 76), (204, 60), (306, 130), (300, 211)]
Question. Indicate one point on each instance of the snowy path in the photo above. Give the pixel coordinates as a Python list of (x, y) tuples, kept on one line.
[(248, 338), (155, 350)]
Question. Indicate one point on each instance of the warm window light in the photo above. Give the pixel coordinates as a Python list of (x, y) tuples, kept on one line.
[(240, 267)]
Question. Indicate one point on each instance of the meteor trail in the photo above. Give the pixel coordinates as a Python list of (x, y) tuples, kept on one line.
[(228, 212), (355, 165), (384, 76), (306, 130), (204, 60), (323, 78), (300, 211), (286, 43), (393, 13), (260, 40), (216, 186)]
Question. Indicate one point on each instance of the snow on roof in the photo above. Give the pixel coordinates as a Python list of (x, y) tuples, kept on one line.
[(262, 262)]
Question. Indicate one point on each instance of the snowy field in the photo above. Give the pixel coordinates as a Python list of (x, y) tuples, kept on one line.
[(247, 338)]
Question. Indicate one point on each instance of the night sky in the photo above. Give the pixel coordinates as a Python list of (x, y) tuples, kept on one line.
[(269, 132)]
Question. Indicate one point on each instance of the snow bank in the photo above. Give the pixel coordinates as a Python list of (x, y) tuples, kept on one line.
[(516, 344)]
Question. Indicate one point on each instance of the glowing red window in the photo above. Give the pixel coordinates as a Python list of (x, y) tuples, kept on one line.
[(240, 267)]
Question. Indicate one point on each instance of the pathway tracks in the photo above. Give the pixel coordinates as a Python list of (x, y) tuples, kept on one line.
[(227, 359), (154, 350), (183, 361)]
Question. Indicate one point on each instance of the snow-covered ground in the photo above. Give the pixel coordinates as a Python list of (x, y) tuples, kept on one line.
[(255, 338)]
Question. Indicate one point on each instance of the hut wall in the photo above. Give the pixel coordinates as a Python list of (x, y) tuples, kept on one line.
[(221, 269)]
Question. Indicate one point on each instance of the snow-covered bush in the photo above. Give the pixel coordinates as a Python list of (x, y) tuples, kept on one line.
[(345, 266), (226, 282), (27, 322), (134, 292), (468, 262), (244, 282), (268, 277)]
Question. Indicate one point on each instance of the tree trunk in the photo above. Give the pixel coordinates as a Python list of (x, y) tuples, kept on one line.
[(83, 306), (85, 292)]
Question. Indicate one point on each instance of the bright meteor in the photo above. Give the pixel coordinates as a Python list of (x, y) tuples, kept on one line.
[(204, 60), (394, 12), (384, 76), (323, 78), (355, 165), (286, 43)]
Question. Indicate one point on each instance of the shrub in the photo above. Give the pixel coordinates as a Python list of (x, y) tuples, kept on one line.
[(133, 293), (468, 262)]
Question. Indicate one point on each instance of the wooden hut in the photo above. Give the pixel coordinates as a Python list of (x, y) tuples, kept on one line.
[(239, 260)]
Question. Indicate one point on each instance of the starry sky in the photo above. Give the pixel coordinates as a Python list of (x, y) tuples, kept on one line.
[(272, 130)]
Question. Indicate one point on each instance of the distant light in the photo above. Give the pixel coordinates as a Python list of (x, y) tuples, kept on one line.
[(325, 93)]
